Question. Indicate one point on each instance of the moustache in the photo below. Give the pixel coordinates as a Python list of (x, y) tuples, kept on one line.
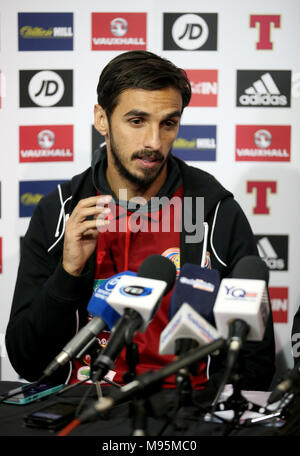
[(152, 155)]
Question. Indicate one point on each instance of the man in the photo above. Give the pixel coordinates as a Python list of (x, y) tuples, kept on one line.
[(69, 245)]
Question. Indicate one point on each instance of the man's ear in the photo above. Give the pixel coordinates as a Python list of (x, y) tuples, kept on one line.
[(100, 120)]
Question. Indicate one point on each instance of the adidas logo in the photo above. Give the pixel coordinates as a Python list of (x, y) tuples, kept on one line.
[(269, 255), (263, 92)]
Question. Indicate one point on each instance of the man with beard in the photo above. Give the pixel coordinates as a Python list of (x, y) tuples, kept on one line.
[(86, 231)]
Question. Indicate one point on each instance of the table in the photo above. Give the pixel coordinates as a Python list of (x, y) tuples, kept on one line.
[(116, 428)]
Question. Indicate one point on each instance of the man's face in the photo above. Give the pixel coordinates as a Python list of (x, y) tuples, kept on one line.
[(142, 129)]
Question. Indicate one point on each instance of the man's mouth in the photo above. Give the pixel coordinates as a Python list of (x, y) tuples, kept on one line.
[(148, 161), (150, 156)]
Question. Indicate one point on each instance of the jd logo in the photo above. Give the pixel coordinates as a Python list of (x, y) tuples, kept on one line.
[(190, 31), (46, 88)]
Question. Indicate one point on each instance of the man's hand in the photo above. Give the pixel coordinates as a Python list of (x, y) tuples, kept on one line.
[(82, 230)]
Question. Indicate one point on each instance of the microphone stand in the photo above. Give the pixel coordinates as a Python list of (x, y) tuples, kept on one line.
[(137, 405), (183, 383), (183, 377), (236, 401)]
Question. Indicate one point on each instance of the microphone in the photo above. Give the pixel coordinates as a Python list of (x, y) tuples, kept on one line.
[(191, 308), (186, 324), (244, 297), (98, 306), (198, 288), (136, 299), (104, 316), (292, 378), (242, 308)]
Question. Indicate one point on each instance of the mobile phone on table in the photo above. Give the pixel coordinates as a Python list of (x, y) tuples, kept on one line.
[(52, 416), (36, 392)]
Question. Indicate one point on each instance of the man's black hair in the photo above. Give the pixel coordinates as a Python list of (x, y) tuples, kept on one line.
[(139, 70)]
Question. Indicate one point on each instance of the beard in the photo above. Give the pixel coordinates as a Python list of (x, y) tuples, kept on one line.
[(141, 182)]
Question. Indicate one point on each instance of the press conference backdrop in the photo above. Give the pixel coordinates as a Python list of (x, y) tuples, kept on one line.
[(242, 124)]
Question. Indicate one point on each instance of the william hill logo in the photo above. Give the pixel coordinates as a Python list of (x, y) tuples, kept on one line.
[(45, 31), (38, 32), (31, 192), (31, 199), (196, 143)]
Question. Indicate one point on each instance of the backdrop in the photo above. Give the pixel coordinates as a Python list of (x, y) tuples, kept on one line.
[(242, 124)]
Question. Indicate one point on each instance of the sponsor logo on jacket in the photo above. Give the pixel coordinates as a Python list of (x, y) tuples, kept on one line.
[(45, 143), (263, 88), (173, 254), (45, 31), (119, 31), (190, 31), (263, 143)]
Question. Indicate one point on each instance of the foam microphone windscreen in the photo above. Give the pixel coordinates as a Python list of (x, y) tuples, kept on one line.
[(158, 267), (251, 267), (198, 287)]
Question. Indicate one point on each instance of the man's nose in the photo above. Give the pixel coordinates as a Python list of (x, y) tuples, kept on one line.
[(152, 139)]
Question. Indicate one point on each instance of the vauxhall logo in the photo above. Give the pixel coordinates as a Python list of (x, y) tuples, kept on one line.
[(46, 88), (263, 88)]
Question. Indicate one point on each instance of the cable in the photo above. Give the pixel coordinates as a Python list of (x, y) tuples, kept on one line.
[(69, 427), (68, 387), (83, 399)]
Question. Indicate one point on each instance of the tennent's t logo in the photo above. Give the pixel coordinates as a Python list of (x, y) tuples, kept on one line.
[(264, 23), (261, 189)]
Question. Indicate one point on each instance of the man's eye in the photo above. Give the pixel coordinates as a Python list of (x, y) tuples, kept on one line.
[(136, 121), (171, 123)]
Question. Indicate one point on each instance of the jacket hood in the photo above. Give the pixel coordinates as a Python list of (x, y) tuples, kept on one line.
[(197, 182)]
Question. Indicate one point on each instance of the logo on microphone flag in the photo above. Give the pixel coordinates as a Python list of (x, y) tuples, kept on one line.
[(135, 291)]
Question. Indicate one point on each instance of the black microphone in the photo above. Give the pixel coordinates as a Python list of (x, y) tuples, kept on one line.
[(251, 267), (292, 378), (136, 299)]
